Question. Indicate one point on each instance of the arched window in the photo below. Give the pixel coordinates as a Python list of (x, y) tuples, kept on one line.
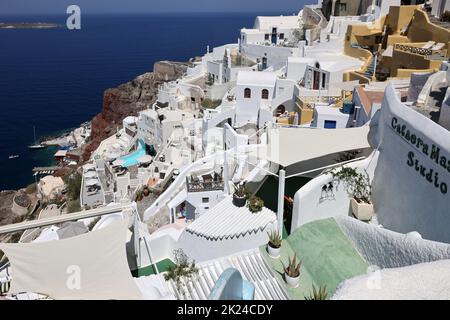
[(247, 93), (265, 94)]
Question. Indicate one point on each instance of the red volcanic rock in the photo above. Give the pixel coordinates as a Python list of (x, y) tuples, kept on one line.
[(128, 99)]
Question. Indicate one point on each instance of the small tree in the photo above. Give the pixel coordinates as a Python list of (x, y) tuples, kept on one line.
[(358, 184), (183, 269)]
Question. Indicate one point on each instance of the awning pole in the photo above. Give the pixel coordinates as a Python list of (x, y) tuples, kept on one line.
[(280, 212)]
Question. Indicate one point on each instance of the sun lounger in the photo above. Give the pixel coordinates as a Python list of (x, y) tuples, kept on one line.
[(428, 45)]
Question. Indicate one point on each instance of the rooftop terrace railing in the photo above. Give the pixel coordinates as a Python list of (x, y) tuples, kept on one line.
[(201, 186), (412, 49)]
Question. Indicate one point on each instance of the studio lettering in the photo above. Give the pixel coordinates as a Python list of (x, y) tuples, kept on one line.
[(431, 151)]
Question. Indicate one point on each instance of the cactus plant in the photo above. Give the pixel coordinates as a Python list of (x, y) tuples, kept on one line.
[(274, 239), (293, 268), (320, 294)]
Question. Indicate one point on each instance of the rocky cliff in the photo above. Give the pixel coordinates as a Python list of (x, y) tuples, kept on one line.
[(128, 99)]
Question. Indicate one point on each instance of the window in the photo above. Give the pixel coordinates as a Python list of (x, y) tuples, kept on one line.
[(192, 99), (205, 200), (247, 93), (330, 124), (265, 94), (281, 36), (342, 7), (267, 36), (274, 30), (324, 77)]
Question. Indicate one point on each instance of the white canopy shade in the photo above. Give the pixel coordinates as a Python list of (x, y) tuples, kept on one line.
[(89, 266), (291, 145), (145, 159)]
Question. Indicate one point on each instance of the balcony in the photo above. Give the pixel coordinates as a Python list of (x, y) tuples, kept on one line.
[(207, 183)]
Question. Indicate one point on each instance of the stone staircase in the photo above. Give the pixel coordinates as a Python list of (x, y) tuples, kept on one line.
[(250, 264), (369, 71)]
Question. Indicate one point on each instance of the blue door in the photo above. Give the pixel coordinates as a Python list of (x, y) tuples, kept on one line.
[(329, 124), (274, 38)]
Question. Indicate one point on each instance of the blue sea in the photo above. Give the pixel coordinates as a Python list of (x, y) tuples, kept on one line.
[(54, 79)]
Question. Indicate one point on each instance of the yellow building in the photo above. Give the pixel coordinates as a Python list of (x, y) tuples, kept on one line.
[(403, 42)]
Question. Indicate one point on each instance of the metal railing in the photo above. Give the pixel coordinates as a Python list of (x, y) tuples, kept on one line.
[(194, 186)]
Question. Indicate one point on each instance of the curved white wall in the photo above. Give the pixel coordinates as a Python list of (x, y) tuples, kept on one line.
[(411, 188), (310, 203)]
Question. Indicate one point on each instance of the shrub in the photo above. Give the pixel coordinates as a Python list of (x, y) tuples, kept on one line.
[(255, 204), (73, 183), (208, 103), (183, 269), (73, 206), (357, 184), (446, 16)]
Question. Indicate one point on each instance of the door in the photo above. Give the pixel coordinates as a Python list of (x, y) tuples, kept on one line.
[(274, 38), (330, 124), (316, 81)]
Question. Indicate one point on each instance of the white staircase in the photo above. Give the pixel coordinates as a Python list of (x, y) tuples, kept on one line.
[(252, 268)]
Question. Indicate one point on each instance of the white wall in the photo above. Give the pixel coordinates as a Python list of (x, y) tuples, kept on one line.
[(389, 249), (233, 139), (196, 199), (275, 55), (310, 203), (247, 109), (404, 198), (321, 114)]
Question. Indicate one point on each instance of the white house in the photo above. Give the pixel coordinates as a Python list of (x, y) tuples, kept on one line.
[(254, 91)]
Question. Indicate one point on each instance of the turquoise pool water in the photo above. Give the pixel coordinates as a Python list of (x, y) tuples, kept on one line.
[(132, 158)]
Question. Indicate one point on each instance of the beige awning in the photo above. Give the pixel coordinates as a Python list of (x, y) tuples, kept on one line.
[(291, 145), (89, 266)]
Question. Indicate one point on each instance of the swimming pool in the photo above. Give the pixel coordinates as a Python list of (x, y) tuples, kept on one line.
[(132, 158)]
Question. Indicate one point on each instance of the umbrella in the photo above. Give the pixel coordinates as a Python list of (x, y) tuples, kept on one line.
[(118, 163), (90, 174), (72, 229), (91, 182), (145, 159)]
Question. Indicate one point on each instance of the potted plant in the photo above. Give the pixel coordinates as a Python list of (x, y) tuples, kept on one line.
[(274, 244), (139, 196), (146, 191), (255, 204), (318, 294), (240, 195), (292, 271), (359, 188)]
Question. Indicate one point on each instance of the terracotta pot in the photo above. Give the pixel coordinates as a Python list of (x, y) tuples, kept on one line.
[(146, 191), (362, 210)]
